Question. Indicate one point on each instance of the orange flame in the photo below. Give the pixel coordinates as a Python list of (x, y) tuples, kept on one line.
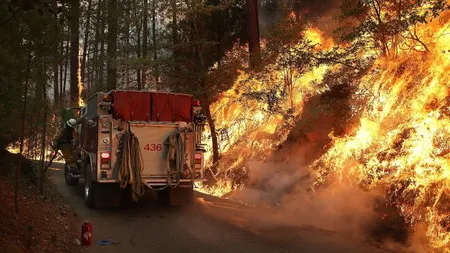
[(248, 126), (316, 36), (80, 83), (402, 140)]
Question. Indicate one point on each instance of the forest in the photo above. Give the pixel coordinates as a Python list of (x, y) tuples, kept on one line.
[(319, 94)]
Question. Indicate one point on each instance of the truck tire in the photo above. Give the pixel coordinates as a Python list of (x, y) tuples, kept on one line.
[(89, 187), (68, 177), (101, 195)]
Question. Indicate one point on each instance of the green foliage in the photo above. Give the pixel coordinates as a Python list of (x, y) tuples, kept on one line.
[(25, 50), (206, 30), (386, 25)]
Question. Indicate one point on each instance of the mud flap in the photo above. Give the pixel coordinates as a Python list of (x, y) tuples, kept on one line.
[(107, 195), (179, 196)]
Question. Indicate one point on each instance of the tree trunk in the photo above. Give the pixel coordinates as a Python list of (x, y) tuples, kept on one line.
[(55, 79), (22, 136), (66, 63), (253, 33), (30, 133), (74, 51), (144, 43), (61, 70), (219, 32), (43, 137), (95, 66), (297, 10), (36, 131), (112, 45), (155, 47), (42, 163), (126, 49), (205, 95), (138, 48), (212, 127), (56, 61), (177, 68), (86, 40), (101, 73)]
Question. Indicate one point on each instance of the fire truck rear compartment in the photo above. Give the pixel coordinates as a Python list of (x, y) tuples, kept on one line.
[(153, 142)]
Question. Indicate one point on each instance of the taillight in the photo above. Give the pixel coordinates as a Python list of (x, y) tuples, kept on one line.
[(104, 157), (198, 158)]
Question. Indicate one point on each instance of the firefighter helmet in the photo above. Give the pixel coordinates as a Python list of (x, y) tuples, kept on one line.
[(71, 123)]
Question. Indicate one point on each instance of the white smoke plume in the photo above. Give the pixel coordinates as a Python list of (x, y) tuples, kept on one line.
[(286, 188)]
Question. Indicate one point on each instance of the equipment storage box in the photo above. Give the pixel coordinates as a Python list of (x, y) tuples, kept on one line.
[(152, 106), (131, 105), (171, 107)]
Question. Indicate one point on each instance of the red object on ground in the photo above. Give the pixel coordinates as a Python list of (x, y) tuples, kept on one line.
[(86, 234)]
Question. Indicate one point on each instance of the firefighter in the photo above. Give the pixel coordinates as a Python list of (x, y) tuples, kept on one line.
[(64, 141), (66, 133)]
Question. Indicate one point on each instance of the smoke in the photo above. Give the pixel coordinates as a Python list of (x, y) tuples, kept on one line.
[(281, 188), (319, 13), (327, 22), (286, 189), (268, 183)]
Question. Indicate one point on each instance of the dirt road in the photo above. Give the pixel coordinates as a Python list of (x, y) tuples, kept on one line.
[(210, 225)]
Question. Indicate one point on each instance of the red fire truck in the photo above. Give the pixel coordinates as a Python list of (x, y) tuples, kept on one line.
[(129, 139)]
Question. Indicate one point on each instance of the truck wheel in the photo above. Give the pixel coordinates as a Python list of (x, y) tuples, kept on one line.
[(101, 195), (68, 177), (89, 187)]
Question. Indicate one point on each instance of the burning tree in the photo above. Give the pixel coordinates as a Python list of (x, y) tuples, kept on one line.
[(293, 62), (390, 26), (398, 147), (255, 116)]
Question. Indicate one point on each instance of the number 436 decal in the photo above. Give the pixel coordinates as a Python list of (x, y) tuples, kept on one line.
[(153, 147)]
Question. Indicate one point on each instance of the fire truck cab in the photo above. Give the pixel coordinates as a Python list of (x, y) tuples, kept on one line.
[(152, 117)]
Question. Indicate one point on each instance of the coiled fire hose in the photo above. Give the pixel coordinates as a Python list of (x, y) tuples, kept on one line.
[(176, 157), (130, 164)]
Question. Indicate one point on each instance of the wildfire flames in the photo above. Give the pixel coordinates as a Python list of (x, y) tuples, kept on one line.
[(402, 144), (248, 127), (80, 83), (401, 147)]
